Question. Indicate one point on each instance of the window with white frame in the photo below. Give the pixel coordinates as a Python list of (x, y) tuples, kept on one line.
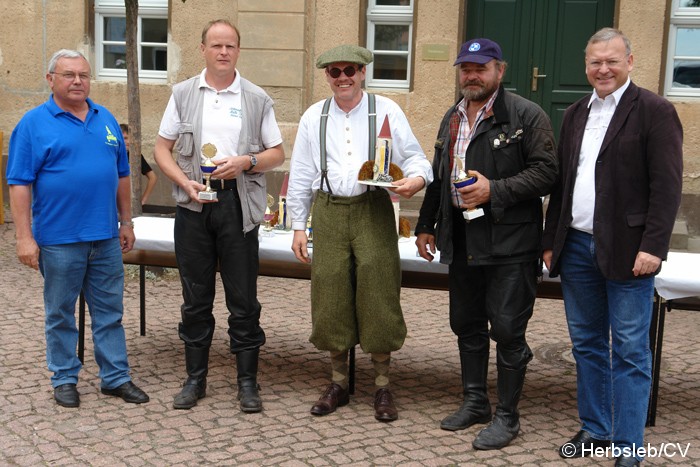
[(683, 67), (152, 39), (390, 38)]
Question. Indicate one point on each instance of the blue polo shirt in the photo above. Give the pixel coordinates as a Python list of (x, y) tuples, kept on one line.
[(74, 169)]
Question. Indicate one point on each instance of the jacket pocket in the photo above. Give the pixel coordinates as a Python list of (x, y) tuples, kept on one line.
[(185, 150), (256, 194), (516, 234), (636, 220), (507, 152)]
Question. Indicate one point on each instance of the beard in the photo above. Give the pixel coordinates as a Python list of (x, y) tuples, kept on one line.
[(478, 95)]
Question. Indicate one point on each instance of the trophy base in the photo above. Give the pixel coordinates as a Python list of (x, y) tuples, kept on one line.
[(207, 195), (472, 214)]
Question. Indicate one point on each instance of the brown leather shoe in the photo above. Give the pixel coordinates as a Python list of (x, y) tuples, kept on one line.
[(333, 397), (384, 409)]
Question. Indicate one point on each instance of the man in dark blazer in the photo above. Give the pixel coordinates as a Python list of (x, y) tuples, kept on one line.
[(608, 227)]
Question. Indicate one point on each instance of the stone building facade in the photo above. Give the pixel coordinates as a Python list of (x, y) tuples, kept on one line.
[(280, 40)]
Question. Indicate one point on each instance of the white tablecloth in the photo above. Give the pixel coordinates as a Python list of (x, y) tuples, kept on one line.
[(679, 277), (156, 234)]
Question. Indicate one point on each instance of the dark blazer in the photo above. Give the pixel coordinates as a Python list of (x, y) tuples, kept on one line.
[(638, 178)]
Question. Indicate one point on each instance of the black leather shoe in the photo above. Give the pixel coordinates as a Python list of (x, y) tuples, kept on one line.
[(626, 462), (503, 429), (129, 392), (333, 397), (575, 446), (467, 415), (66, 395), (193, 390), (249, 397)]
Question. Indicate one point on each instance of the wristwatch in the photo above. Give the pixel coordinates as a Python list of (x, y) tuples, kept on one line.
[(253, 162)]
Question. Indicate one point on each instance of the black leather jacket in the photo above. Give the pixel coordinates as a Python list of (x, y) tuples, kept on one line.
[(515, 150)]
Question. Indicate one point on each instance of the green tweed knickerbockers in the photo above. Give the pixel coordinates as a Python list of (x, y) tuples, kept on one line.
[(356, 274)]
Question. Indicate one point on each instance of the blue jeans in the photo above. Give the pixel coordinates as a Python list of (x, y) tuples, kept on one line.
[(609, 328), (96, 268)]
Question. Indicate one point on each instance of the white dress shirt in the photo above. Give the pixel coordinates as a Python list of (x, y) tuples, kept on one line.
[(347, 149), (599, 117)]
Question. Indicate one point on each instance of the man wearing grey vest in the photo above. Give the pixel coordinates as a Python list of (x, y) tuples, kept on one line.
[(219, 116)]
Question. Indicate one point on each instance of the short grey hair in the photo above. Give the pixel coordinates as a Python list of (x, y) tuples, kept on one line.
[(64, 53), (608, 34)]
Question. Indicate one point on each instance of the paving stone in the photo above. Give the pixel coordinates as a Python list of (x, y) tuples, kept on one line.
[(425, 378)]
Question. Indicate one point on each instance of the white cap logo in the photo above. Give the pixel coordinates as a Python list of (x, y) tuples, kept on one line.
[(474, 47)]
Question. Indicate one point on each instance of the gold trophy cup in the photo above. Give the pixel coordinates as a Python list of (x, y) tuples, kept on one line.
[(207, 165)]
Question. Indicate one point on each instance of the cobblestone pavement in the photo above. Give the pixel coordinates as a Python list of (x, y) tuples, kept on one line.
[(425, 377)]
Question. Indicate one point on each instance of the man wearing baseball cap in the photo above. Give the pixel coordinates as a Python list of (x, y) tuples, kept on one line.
[(488, 232), (356, 270)]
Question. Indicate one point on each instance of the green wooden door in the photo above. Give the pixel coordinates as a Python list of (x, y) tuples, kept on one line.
[(543, 43)]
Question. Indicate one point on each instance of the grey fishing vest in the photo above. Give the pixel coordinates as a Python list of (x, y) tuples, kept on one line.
[(189, 100)]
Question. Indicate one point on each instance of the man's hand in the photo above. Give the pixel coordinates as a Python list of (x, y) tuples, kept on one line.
[(645, 263), (231, 167), (28, 252), (192, 188), (407, 187), (477, 193), (299, 246), (426, 245), (126, 238), (547, 258)]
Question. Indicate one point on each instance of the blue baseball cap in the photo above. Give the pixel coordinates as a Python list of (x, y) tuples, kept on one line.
[(479, 51)]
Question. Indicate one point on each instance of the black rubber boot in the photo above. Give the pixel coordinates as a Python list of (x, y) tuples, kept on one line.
[(506, 423), (195, 387), (476, 407), (248, 389)]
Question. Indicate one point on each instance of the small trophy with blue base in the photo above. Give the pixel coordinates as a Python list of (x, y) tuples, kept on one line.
[(463, 180), (207, 165)]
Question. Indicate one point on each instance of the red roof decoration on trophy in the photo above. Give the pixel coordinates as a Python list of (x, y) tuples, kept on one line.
[(381, 171)]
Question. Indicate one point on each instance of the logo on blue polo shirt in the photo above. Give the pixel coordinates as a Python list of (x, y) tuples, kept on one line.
[(110, 139)]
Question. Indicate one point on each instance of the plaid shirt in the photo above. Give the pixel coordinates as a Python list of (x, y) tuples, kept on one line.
[(461, 135)]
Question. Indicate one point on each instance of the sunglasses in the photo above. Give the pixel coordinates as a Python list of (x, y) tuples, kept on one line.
[(349, 71)]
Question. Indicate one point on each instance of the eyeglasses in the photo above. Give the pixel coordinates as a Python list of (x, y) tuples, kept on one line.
[(348, 70), (71, 76), (612, 64)]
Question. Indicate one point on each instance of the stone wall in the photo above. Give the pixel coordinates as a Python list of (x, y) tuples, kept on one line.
[(280, 41)]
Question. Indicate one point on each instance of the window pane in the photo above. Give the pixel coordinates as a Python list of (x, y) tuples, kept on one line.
[(154, 58), (688, 42), (115, 29), (154, 30), (390, 37), (114, 56), (686, 73), (690, 3), (393, 2), (390, 67)]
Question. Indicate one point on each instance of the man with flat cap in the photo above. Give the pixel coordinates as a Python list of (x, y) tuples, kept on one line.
[(356, 271), (488, 232)]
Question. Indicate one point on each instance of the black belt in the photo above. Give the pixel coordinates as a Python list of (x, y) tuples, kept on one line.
[(219, 185)]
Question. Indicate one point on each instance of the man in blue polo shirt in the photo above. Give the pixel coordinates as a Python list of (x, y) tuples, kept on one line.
[(68, 161)]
